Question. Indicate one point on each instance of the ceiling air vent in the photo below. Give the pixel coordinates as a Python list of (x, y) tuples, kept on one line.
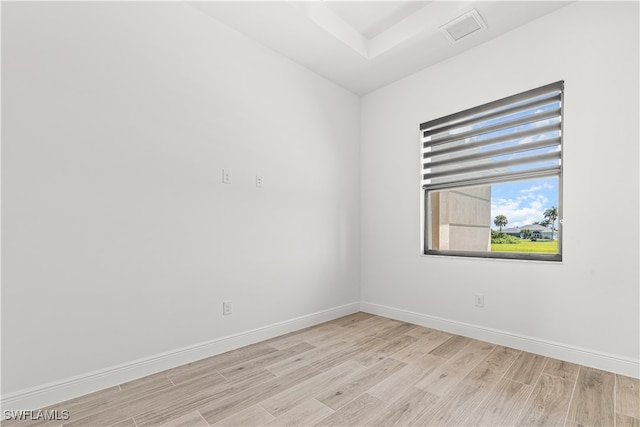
[(462, 26)]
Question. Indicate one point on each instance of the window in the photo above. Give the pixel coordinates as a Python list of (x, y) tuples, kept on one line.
[(492, 178)]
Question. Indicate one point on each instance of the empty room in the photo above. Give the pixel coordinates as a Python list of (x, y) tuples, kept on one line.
[(358, 213)]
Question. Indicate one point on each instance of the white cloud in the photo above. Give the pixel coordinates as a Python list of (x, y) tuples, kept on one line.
[(535, 188), (523, 210)]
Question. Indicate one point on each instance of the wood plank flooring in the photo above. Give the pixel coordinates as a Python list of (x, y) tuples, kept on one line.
[(364, 370)]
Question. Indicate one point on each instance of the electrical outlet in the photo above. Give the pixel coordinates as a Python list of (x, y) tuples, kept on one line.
[(227, 307), (259, 181), (479, 300), (226, 176)]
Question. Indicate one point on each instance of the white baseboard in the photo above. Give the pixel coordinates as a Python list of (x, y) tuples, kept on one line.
[(58, 391), (599, 360)]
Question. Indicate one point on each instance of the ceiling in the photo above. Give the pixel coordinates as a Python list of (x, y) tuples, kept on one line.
[(378, 15), (365, 45)]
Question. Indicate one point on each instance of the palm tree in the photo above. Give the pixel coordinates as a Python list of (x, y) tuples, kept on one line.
[(551, 215), (500, 221)]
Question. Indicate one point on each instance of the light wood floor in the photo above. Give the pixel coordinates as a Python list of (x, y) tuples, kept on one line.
[(365, 370)]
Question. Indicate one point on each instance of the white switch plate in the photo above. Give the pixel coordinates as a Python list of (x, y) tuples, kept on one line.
[(227, 177), (479, 300)]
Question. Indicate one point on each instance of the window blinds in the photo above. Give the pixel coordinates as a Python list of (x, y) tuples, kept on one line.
[(517, 137)]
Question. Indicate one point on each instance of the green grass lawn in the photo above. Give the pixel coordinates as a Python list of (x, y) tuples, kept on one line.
[(525, 245)]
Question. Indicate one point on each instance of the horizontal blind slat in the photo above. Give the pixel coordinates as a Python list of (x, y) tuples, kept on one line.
[(495, 165), (494, 128), (496, 178), (533, 93), (553, 127), (543, 143), (554, 98)]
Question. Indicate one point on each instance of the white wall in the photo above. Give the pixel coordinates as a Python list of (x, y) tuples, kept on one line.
[(119, 239), (590, 301)]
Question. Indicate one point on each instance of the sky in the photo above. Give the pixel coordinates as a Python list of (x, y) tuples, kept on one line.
[(524, 202)]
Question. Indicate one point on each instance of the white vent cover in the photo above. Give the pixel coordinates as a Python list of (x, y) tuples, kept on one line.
[(462, 26)]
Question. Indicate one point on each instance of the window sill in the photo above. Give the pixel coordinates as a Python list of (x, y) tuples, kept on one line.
[(543, 258)]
